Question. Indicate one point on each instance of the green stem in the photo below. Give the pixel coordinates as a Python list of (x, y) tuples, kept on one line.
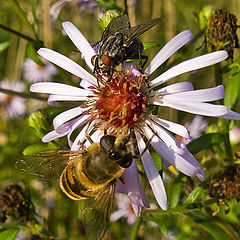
[(23, 95), (135, 228), (17, 33), (22, 15), (126, 6)]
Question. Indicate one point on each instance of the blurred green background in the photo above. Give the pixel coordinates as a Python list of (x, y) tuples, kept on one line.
[(194, 217)]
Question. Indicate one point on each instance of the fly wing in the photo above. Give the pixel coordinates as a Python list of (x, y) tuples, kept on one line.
[(118, 24), (138, 30), (46, 165), (95, 213)]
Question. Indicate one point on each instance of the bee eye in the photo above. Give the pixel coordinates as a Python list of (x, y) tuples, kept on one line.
[(93, 60), (107, 142), (106, 60)]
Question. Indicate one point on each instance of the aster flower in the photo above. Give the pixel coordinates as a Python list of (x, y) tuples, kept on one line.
[(122, 106), (33, 72), (13, 105)]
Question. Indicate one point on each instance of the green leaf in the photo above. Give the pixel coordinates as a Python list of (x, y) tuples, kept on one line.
[(35, 20), (3, 46), (39, 124), (204, 16), (37, 148), (157, 160), (214, 226), (108, 4), (9, 234), (175, 192), (22, 15), (148, 45), (196, 193), (32, 53), (107, 18), (232, 90), (205, 141)]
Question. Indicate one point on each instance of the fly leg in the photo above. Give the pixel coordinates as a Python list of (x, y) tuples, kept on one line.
[(142, 57)]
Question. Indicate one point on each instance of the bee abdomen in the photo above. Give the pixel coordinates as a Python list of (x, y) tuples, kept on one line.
[(72, 187)]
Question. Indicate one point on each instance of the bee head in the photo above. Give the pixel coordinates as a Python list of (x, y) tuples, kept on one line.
[(117, 149)]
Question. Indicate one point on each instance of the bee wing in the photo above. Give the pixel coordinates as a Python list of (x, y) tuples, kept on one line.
[(118, 24), (46, 165), (138, 30), (95, 213)]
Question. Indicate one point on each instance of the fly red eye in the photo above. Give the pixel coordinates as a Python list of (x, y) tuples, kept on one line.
[(93, 58), (106, 60)]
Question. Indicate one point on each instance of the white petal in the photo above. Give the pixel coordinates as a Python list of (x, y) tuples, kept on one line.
[(117, 214), (173, 127), (168, 50), (85, 84), (66, 116), (153, 176), (82, 136), (206, 109), (190, 65), (203, 95), (191, 159), (170, 141), (53, 135), (96, 136), (80, 42), (56, 8), (79, 139), (76, 123), (55, 98), (59, 89), (174, 88), (188, 166), (231, 115), (133, 188), (67, 64)]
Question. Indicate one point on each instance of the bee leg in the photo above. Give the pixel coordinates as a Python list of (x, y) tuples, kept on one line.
[(87, 135), (81, 144), (122, 179), (149, 140)]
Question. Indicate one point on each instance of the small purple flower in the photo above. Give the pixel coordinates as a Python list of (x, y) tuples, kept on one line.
[(124, 210), (94, 104), (89, 5)]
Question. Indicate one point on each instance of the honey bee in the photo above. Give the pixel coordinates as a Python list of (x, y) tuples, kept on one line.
[(120, 42), (88, 175)]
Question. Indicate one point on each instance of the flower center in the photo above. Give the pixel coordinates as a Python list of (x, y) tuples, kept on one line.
[(8, 98), (121, 102)]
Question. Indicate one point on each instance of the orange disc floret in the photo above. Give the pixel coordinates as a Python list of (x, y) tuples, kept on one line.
[(120, 102)]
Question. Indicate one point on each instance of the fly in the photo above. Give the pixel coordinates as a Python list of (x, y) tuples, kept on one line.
[(120, 42)]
